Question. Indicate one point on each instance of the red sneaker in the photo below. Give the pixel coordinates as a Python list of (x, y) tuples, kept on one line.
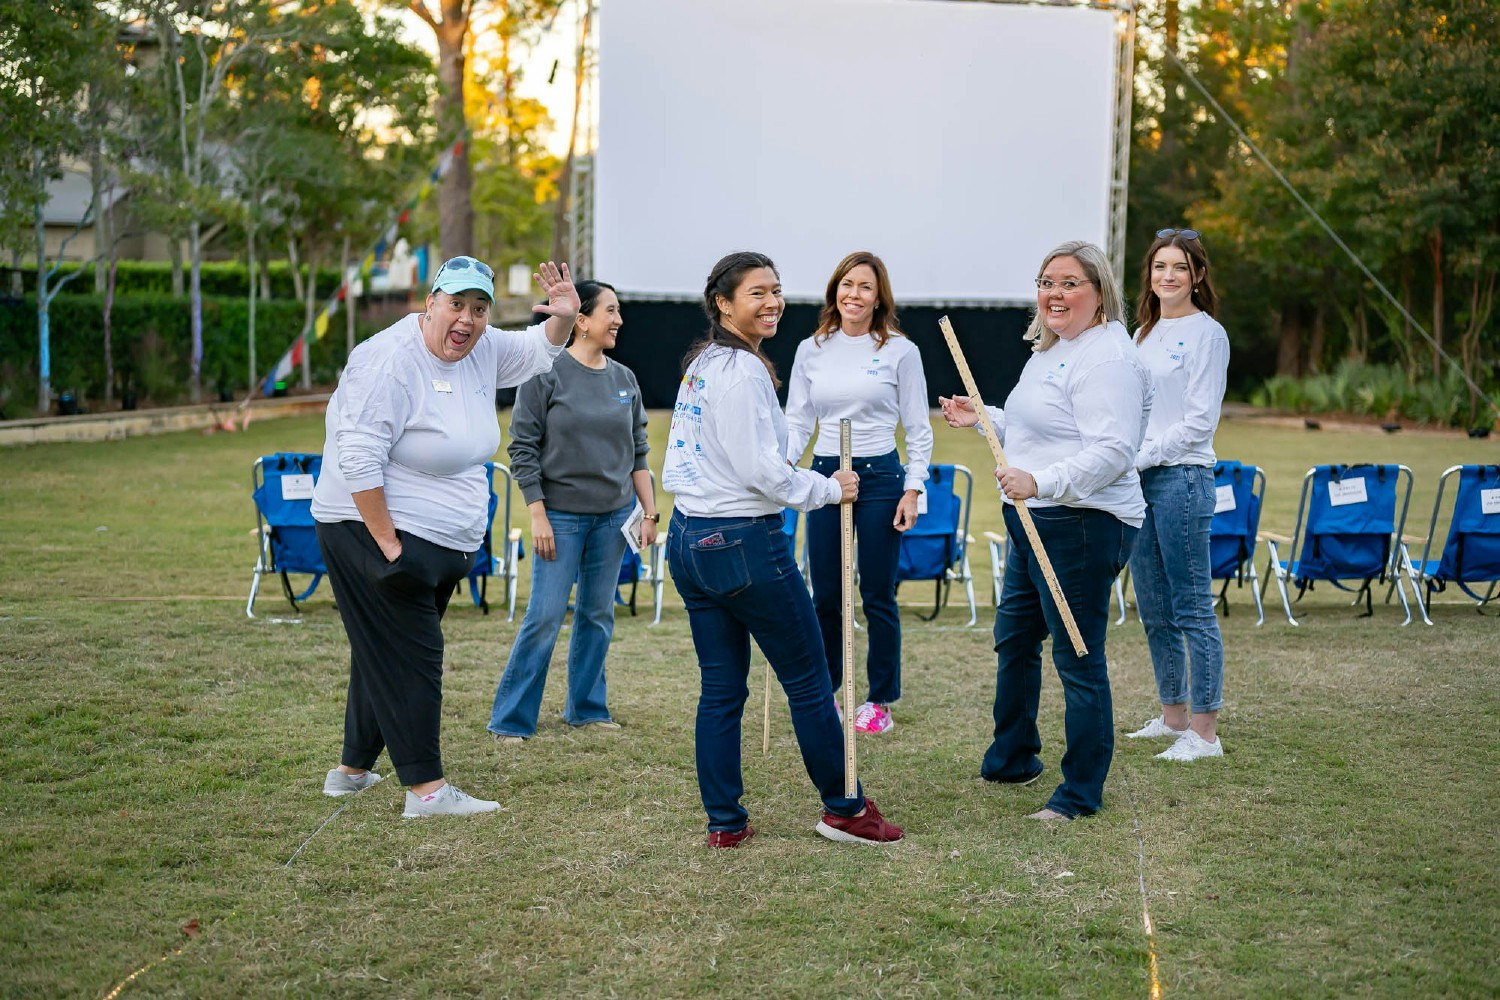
[(730, 838), (869, 827)]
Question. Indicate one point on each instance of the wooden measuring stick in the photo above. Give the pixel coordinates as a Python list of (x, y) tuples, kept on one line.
[(1022, 511), (765, 728), (846, 551)]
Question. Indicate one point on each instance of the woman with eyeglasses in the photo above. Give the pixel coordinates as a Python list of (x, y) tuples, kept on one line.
[(402, 504), (1187, 352), (578, 452), (859, 365), (1071, 430), (727, 470)]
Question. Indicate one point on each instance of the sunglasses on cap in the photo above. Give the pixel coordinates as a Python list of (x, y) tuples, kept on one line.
[(1187, 234), (464, 263)]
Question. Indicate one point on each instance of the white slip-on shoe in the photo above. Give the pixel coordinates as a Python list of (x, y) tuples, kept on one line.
[(1156, 729), (448, 800), (1191, 746), (339, 784)]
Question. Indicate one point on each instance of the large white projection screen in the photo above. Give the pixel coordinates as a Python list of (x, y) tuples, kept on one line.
[(957, 140)]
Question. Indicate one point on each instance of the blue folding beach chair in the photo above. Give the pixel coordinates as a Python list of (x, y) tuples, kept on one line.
[(1234, 530), (937, 547), (1471, 554), (282, 488), (1349, 524), (500, 561)]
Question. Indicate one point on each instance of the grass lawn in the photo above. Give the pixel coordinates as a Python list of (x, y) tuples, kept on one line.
[(168, 820)]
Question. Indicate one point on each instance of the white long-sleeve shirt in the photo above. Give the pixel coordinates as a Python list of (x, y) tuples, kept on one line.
[(1075, 421), (1188, 358), (422, 428), (875, 388), (726, 449)]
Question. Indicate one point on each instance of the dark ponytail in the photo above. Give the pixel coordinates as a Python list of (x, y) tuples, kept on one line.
[(724, 280)]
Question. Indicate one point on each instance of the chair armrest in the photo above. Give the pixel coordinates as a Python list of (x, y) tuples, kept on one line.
[(514, 535), (1413, 539), (1271, 536), (994, 538)]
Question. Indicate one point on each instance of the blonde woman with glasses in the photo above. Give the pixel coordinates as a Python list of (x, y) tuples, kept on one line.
[(1071, 430)]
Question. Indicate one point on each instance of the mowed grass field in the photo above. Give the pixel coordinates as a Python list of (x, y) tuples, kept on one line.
[(164, 820)]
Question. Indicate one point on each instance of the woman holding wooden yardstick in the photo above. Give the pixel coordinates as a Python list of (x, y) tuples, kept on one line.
[(858, 365), (727, 469), (1071, 429)]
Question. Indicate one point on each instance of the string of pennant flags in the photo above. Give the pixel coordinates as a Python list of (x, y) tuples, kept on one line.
[(315, 330)]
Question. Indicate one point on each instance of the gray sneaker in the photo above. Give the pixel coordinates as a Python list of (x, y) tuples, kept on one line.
[(448, 800), (339, 784)]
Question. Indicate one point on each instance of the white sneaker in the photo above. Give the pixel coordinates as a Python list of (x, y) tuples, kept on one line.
[(339, 784), (1156, 729), (1191, 746), (448, 800)]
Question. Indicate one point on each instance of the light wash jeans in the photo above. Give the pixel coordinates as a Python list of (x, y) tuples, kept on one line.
[(589, 550), (1170, 568)]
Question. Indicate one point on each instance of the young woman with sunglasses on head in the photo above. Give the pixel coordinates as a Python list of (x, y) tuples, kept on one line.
[(578, 452), (1187, 352), (401, 507), (858, 365), (727, 470), (1071, 429)]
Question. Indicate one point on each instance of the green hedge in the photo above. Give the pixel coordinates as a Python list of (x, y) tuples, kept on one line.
[(152, 346), (220, 278)]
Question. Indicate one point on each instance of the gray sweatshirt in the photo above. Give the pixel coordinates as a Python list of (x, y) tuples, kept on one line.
[(576, 435)]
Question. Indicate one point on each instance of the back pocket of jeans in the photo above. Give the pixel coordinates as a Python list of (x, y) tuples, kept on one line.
[(720, 568)]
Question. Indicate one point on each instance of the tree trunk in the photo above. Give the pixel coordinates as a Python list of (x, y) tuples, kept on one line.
[(1289, 346), (349, 301), (109, 347), (174, 247), (1435, 247), (250, 332), (1315, 345), (294, 264), (195, 312), (564, 241), (455, 211), (307, 326)]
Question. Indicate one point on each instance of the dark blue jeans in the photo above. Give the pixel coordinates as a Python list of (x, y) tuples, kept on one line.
[(1087, 548), (882, 481), (738, 580)]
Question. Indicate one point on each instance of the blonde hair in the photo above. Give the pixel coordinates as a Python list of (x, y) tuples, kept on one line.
[(1096, 268)]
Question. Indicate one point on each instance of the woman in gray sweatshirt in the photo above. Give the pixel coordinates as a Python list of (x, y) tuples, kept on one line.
[(578, 452)]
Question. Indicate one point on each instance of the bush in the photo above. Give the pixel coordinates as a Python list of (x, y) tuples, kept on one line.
[(220, 278), (1380, 391), (152, 345)]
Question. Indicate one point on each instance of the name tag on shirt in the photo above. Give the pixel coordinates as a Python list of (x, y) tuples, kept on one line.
[(300, 487), (1489, 501), (442, 386), (1347, 492), (1224, 498)]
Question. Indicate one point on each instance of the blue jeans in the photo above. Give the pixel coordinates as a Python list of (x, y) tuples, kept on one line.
[(1087, 548), (738, 580), (1171, 570), (882, 482), (589, 550)]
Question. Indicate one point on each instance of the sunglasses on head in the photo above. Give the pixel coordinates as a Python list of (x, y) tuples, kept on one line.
[(464, 263), (1187, 234)]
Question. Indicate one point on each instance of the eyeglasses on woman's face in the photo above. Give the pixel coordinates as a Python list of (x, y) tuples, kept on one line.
[(1067, 284), (464, 263)]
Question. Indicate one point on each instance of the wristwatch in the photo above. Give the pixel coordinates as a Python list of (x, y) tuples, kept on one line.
[(652, 517)]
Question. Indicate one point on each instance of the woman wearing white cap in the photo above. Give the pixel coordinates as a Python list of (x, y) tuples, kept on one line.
[(402, 505)]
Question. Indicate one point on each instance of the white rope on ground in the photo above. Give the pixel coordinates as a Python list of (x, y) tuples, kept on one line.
[(1140, 875), (333, 816), (1358, 262)]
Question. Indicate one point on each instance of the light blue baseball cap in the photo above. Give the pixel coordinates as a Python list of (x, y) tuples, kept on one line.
[(464, 274)]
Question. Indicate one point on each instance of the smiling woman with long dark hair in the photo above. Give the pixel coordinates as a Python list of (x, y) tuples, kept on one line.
[(727, 469)]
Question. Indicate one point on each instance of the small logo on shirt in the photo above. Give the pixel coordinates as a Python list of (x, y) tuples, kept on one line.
[(624, 397), (695, 382)]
